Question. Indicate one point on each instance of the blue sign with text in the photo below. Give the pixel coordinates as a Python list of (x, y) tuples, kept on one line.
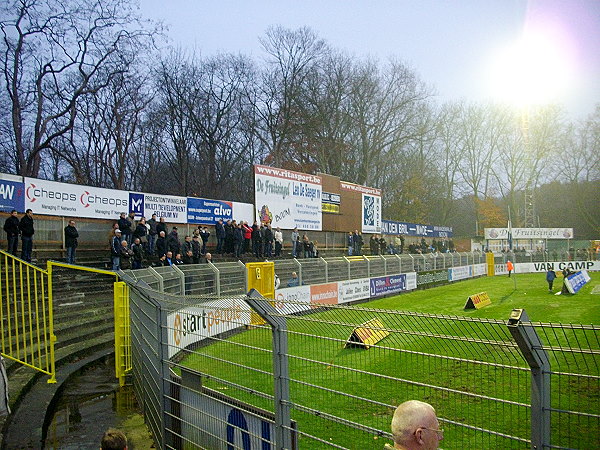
[(415, 229), (11, 196), (388, 285), (207, 212)]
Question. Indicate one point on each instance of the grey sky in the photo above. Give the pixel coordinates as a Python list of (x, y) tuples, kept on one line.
[(450, 44)]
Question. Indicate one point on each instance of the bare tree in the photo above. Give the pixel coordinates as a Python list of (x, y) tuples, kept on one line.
[(53, 53)]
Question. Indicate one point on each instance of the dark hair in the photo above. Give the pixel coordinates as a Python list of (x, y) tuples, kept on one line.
[(13, 211), (28, 211), (113, 439)]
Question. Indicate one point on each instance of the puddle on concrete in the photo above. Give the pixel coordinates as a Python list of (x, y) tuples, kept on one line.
[(92, 402)]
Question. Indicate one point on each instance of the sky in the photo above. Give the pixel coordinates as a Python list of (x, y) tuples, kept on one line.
[(515, 51)]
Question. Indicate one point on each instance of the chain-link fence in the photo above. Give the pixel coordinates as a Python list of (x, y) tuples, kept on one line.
[(330, 376)]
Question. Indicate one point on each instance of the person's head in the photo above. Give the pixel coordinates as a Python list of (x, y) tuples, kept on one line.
[(178, 256), (415, 426), (162, 234), (294, 275), (175, 230), (118, 233), (113, 439), (137, 241), (208, 256), (188, 239), (143, 220), (154, 216), (13, 213), (132, 214), (72, 222), (123, 215), (124, 244), (196, 237), (29, 212), (162, 220), (169, 254)]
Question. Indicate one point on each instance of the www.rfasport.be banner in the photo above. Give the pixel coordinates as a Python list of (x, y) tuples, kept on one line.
[(287, 199)]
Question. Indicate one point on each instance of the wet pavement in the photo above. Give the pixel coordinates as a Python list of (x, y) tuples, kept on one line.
[(92, 402)]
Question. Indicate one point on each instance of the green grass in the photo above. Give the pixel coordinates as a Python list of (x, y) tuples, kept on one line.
[(386, 374)]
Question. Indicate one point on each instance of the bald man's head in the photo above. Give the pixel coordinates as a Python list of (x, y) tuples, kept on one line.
[(415, 426)]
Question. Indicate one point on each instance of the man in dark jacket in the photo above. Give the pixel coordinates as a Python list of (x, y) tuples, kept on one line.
[(138, 254), (256, 240), (268, 241), (161, 245), (173, 244), (27, 231), (152, 234), (71, 235), (187, 254), (220, 232), (238, 241), (11, 226), (204, 235), (229, 228), (161, 226), (115, 250), (125, 227), (196, 250)]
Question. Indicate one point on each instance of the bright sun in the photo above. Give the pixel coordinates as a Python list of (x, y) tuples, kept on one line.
[(535, 69)]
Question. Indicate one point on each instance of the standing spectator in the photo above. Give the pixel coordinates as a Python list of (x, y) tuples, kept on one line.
[(357, 242), (382, 246), (196, 250), (161, 226), (350, 240), (278, 242), (247, 236), (295, 242), (306, 245), (229, 226), (268, 241), (141, 232), (152, 234), (374, 244), (115, 250), (27, 231), (11, 226), (256, 241), (238, 241), (124, 226), (220, 233), (132, 227), (138, 253), (173, 244), (161, 245), (204, 235), (71, 235), (188, 251)]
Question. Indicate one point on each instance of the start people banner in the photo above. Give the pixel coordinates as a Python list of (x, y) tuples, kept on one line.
[(72, 200), (288, 199)]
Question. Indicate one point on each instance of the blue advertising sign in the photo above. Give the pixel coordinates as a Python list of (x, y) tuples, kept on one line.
[(11, 196), (387, 285), (576, 281), (136, 204), (207, 212), (415, 229)]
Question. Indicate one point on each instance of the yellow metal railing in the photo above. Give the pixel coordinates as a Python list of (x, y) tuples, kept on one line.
[(122, 332), (26, 316)]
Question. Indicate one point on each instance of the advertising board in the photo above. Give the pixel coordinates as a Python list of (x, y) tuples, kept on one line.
[(432, 277), (293, 299), (11, 196), (576, 281), (371, 213), (387, 285), (557, 265), (460, 273), (171, 207), (479, 269), (71, 200), (190, 325), (529, 233), (415, 229), (207, 212), (288, 199), (353, 290)]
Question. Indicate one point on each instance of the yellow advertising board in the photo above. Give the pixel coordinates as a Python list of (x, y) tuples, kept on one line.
[(260, 276), (367, 334), (477, 301)]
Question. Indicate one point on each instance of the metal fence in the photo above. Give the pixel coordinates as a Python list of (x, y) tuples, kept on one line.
[(208, 380)]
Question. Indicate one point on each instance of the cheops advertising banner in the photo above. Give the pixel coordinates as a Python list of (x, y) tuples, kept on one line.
[(287, 199), (71, 200)]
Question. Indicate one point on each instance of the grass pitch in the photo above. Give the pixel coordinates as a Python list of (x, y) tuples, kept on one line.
[(318, 366)]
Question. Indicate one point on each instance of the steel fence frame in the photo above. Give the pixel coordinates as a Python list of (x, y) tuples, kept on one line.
[(523, 384)]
